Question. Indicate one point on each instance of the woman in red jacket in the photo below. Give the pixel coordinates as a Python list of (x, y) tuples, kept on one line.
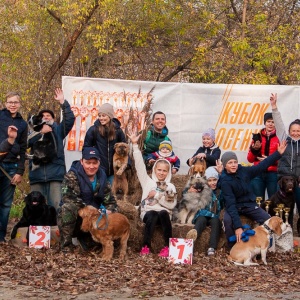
[(258, 151)]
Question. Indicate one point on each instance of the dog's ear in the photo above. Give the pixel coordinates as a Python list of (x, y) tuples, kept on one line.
[(27, 199), (280, 182), (116, 145), (276, 225)]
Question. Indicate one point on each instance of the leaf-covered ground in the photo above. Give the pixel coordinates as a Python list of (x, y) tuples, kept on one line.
[(149, 276)]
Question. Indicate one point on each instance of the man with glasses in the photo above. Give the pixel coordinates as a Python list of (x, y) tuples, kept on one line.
[(12, 166), (47, 177)]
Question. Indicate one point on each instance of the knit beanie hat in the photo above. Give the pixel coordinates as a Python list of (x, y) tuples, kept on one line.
[(46, 111), (209, 132), (107, 109), (267, 116), (211, 172), (166, 144), (227, 156)]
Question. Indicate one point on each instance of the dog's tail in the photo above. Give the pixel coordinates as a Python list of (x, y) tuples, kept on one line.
[(231, 260)]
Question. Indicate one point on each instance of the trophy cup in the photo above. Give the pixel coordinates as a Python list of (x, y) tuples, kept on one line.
[(286, 214), (258, 200), (280, 206), (268, 202), (276, 210)]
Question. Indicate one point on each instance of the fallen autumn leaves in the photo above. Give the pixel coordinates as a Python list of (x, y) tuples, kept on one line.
[(150, 276)]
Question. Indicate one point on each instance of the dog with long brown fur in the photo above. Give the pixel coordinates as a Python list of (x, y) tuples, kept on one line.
[(243, 253), (198, 167), (120, 162), (110, 227)]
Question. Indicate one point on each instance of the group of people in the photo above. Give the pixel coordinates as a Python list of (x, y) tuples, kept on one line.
[(89, 180)]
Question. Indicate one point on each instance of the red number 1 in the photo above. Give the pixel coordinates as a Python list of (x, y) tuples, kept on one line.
[(40, 241), (181, 250)]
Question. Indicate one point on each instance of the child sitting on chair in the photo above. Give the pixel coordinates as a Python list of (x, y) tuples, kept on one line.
[(165, 151)]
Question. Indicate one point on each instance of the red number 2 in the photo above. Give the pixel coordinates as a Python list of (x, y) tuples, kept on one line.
[(40, 241), (181, 250)]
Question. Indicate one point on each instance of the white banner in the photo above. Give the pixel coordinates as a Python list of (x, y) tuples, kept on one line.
[(234, 111)]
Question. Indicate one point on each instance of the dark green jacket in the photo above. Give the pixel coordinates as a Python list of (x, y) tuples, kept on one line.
[(153, 139)]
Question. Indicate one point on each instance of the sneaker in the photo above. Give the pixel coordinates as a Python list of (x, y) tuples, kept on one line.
[(164, 252), (210, 251), (145, 251), (192, 235)]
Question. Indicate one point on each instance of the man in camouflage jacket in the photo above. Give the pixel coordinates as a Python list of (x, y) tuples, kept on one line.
[(84, 184)]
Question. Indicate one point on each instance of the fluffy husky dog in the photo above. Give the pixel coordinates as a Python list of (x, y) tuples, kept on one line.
[(191, 202)]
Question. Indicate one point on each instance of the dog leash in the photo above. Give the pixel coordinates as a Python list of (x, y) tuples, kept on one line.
[(5, 173), (102, 211)]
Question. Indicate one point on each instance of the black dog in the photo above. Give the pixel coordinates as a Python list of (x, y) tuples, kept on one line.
[(36, 212), (45, 149), (285, 195)]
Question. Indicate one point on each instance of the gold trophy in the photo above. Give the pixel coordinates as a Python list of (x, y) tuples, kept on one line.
[(280, 206), (286, 214), (258, 200), (276, 210), (268, 202)]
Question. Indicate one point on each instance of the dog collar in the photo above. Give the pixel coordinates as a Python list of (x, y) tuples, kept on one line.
[(268, 228), (283, 194)]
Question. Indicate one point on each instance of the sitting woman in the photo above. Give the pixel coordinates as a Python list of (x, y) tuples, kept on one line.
[(209, 151), (158, 213), (209, 216)]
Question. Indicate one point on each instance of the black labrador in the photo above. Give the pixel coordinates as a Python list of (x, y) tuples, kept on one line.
[(285, 195), (36, 213)]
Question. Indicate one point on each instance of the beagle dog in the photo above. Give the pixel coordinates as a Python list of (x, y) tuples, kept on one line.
[(242, 253)]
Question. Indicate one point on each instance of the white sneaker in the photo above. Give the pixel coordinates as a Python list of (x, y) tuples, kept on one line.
[(210, 251)]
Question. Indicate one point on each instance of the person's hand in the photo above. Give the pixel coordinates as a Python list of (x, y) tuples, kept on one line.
[(282, 146), (59, 95), (151, 194), (192, 190), (219, 166), (261, 158), (134, 138), (151, 161), (108, 212), (174, 171), (256, 145), (201, 155), (12, 133), (238, 234), (17, 178), (273, 100), (46, 128)]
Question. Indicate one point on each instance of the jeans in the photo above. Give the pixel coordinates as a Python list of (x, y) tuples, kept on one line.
[(51, 191), (6, 196), (256, 214), (215, 223), (153, 218), (267, 180)]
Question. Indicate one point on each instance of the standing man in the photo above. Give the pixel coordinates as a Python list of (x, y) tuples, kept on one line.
[(47, 178), (13, 165), (85, 184), (157, 133)]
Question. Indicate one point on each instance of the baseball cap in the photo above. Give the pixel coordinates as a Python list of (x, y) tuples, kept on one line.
[(90, 152)]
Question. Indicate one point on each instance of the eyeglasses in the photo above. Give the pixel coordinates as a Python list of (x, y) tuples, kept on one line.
[(13, 102)]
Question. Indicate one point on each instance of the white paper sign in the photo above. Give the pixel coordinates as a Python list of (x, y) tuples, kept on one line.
[(181, 251), (39, 237)]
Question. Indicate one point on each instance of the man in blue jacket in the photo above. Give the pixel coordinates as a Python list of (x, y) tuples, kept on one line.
[(47, 178), (238, 196), (13, 164), (85, 184)]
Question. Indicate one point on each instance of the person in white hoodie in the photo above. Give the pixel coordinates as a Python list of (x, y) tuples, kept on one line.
[(154, 213)]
